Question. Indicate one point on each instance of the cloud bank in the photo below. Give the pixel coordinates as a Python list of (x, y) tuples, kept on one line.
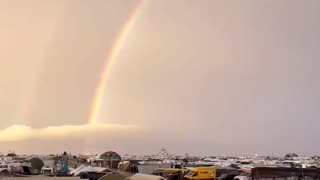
[(16, 133)]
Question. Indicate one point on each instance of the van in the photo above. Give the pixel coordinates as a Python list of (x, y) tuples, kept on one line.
[(202, 173)]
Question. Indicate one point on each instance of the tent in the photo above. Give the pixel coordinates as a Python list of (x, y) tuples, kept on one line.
[(145, 177)]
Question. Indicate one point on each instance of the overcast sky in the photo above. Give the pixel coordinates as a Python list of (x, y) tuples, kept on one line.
[(204, 77)]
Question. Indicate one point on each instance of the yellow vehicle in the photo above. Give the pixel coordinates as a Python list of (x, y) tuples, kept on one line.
[(172, 170), (202, 173), (168, 171)]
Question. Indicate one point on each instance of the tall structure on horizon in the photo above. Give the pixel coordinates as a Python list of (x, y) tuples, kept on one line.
[(163, 154)]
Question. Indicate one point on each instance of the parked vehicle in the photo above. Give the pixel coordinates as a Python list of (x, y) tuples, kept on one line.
[(202, 173)]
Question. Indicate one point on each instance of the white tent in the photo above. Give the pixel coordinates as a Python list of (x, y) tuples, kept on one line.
[(79, 170), (75, 171), (145, 177)]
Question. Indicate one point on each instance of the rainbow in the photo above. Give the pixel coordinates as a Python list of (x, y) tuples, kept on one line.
[(110, 59)]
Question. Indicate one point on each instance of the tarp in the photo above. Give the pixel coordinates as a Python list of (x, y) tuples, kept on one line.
[(109, 176), (89, 169), (75, 171), (145, 177)]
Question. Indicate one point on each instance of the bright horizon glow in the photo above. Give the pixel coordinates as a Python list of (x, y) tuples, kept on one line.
[(112, 56), (17, 132)]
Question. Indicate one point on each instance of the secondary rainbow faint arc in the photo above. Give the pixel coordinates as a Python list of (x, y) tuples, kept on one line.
[(112, 56)]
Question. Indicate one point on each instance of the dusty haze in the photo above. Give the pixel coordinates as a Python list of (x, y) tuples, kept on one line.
[(234, 77)]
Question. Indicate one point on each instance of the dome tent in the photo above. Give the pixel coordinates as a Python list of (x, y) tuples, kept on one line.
[(112, 158), (36, 163)]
